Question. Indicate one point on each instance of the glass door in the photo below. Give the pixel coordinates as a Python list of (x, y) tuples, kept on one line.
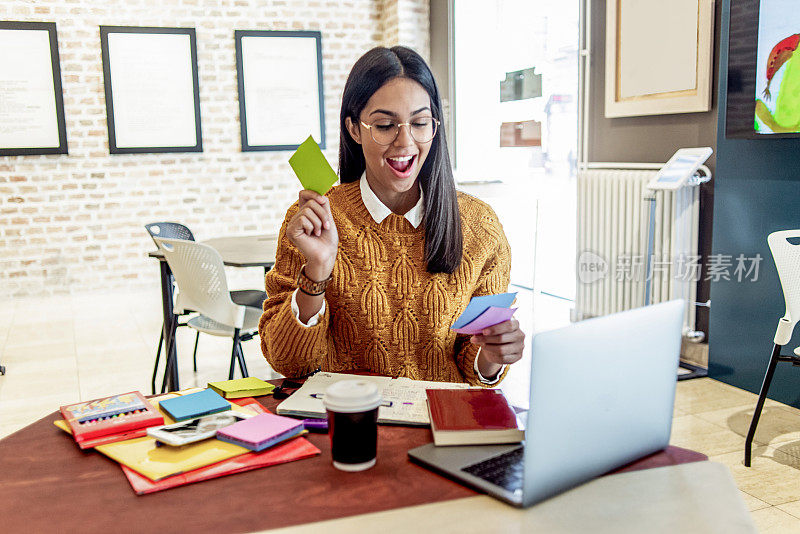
[(515, 103)]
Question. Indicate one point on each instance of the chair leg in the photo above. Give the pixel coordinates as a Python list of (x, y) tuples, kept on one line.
[(167, 371), (762, 396), (242, 364), (233, 353), (194, 356), (155, 367), (171, 367)]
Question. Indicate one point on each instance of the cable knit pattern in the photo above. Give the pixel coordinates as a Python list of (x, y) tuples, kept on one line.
[(384, 312)]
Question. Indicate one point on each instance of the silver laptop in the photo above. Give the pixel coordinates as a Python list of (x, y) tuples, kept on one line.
[(601, 396)]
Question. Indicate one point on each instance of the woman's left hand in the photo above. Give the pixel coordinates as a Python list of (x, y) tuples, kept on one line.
[(500, 344)]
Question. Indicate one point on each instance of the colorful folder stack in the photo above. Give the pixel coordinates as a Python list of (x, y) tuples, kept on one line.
[(151, 466)]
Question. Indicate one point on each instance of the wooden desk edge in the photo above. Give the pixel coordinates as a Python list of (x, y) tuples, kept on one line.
[(637, 497)]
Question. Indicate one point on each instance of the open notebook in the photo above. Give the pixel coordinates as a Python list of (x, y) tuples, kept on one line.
[(404, 400)]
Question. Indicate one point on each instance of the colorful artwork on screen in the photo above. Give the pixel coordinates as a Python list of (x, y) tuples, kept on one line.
[(777, 96)]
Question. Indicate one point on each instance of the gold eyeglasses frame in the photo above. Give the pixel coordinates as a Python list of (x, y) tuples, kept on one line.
[(436, 123)]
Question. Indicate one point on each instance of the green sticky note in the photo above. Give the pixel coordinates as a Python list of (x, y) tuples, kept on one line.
[(311, 167)]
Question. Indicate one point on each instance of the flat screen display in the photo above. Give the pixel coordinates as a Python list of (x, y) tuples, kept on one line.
[(764, 69)]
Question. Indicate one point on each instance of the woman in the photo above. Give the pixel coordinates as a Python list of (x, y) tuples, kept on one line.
[(372, 275)]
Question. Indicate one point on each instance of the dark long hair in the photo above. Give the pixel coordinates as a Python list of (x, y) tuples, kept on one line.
[(443, 237)]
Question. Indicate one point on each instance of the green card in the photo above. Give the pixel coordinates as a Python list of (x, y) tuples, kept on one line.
[(312, 168)]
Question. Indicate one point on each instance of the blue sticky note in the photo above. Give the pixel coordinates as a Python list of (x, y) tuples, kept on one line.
[(194, 405), (478, 305)]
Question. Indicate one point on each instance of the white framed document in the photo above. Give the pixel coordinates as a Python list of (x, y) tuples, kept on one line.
[(659, 56), (31, 102), (280, 88), (152, 89)]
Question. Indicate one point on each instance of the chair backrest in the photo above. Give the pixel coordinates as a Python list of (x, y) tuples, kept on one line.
[(170, 230), (200, 275), (787, 260)]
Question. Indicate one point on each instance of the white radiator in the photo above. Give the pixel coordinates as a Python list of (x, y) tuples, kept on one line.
[(613, 218)]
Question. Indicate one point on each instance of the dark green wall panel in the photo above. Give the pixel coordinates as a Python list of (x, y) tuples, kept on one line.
[(757, 191)]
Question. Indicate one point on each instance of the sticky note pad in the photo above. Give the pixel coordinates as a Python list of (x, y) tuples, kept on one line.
[(242, 387), (193, 405), (478, 305), (492, 316), (261, 432), (311, 167)]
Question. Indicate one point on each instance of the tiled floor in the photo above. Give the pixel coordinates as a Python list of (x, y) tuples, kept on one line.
[(63, 349)]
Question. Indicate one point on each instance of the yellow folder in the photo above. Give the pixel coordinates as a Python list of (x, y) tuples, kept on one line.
[(143, 456)]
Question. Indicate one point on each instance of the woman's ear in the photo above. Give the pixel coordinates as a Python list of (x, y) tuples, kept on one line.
[(353, 130)]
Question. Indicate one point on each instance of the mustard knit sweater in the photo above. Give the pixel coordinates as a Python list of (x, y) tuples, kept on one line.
[(384, 312)]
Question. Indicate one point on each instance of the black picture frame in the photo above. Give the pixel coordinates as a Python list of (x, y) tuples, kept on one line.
[(113, 145), (247, 145), (61, 124)]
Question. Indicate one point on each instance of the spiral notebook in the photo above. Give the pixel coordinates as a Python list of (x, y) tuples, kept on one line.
[(404, 400)]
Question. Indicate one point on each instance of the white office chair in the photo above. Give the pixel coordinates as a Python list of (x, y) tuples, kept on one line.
[(203, 287), (245, 297), (786, 254)]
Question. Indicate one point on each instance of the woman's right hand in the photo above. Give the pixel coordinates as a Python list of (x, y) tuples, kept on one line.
[(313, 231)]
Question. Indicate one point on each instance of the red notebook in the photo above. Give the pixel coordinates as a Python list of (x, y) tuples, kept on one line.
[(116, 414), (294, 449), (472, 417)]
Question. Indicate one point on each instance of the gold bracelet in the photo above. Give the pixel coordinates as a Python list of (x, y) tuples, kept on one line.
[(311, 287)]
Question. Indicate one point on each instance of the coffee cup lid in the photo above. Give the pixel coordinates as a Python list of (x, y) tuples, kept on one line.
[(350, 396)]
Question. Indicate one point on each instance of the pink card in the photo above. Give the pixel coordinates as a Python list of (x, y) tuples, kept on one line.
[(492, 316)]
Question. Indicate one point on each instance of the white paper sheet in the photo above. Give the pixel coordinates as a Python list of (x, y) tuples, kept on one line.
[(657, 46), (153, 90), (27, 100), (281, 88)]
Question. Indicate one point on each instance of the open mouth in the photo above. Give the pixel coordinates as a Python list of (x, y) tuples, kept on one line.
[(401, 164)]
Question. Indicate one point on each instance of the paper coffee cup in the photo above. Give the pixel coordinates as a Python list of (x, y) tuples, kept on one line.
[(352, 407)]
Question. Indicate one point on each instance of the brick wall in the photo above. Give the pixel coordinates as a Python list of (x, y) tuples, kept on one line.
[(74, 223)]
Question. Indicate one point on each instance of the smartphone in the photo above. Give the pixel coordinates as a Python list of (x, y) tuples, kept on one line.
[(193, 430)]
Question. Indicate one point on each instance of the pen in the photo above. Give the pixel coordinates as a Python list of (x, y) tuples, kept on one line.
[(316, 425)]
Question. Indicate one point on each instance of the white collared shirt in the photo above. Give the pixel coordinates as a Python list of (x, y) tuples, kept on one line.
[(378, 211)]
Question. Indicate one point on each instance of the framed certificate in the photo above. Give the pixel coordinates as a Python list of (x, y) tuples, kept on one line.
[(31, 102), (152, 89), (280, 88), (659, 56)]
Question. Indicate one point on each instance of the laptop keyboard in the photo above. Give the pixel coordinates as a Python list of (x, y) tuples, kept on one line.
[(505, 470)]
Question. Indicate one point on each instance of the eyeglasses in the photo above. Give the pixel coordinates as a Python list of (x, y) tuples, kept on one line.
[(289, 386), (286, 388), (385, 131)]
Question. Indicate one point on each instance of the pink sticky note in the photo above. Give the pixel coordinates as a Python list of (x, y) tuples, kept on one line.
[(492, 316)]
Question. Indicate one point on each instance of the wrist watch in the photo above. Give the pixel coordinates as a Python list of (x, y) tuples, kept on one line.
[(309, 286)]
